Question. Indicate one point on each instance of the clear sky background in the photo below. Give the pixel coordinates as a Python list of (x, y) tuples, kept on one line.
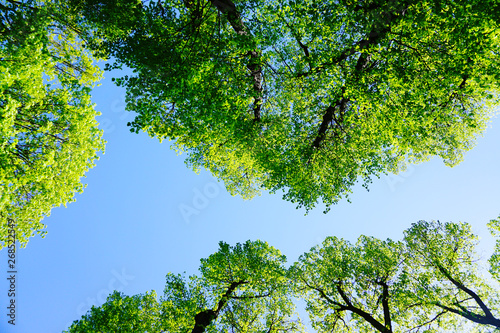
[(127, 229)]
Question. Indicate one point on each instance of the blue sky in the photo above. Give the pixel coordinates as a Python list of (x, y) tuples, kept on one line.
[(128, 229)]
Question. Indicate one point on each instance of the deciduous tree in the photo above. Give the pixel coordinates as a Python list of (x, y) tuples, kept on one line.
[(48, 132), (309, 96), (443, 267), (428, 282), (359, 288), (120, 313), (240, 288)]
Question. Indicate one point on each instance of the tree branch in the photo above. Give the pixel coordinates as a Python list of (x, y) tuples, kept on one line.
[(328, 117), (427, 322), (228, 8), (468, 291), (250, 297), (474, 317), (374, 37), (366, 316), (204, 318), (385, 305)]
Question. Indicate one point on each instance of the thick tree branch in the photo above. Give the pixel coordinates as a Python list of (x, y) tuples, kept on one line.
[(366, 316), (468, 291), (228, 8), (385, 305), (325, 296), (204, 318), (303, 47), (474, 317), (256, 72), (374, 37), (329, 115), (341, 104)]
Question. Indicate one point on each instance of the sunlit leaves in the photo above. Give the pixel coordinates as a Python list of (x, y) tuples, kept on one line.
[(444, 274), (345, 284), (494, 226), (122, 314), (241, 288), (430, 281), (427, 282), (350, 90), (48, 133)]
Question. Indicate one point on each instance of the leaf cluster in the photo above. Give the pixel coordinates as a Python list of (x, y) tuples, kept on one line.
[(48, 132), (307, 97), (427, 282)]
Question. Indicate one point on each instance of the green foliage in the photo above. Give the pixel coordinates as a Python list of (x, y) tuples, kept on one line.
[(428, 282), (122, 314), (494, 226), (48, 133), (110, 18), (308, 97), (357, 288), (240, 288), (262, 300), (445, 274)]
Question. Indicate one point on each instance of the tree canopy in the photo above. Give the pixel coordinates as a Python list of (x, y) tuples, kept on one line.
[(444, 260), (48, 132), (429, 281), (239, 289), (308, 97)]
